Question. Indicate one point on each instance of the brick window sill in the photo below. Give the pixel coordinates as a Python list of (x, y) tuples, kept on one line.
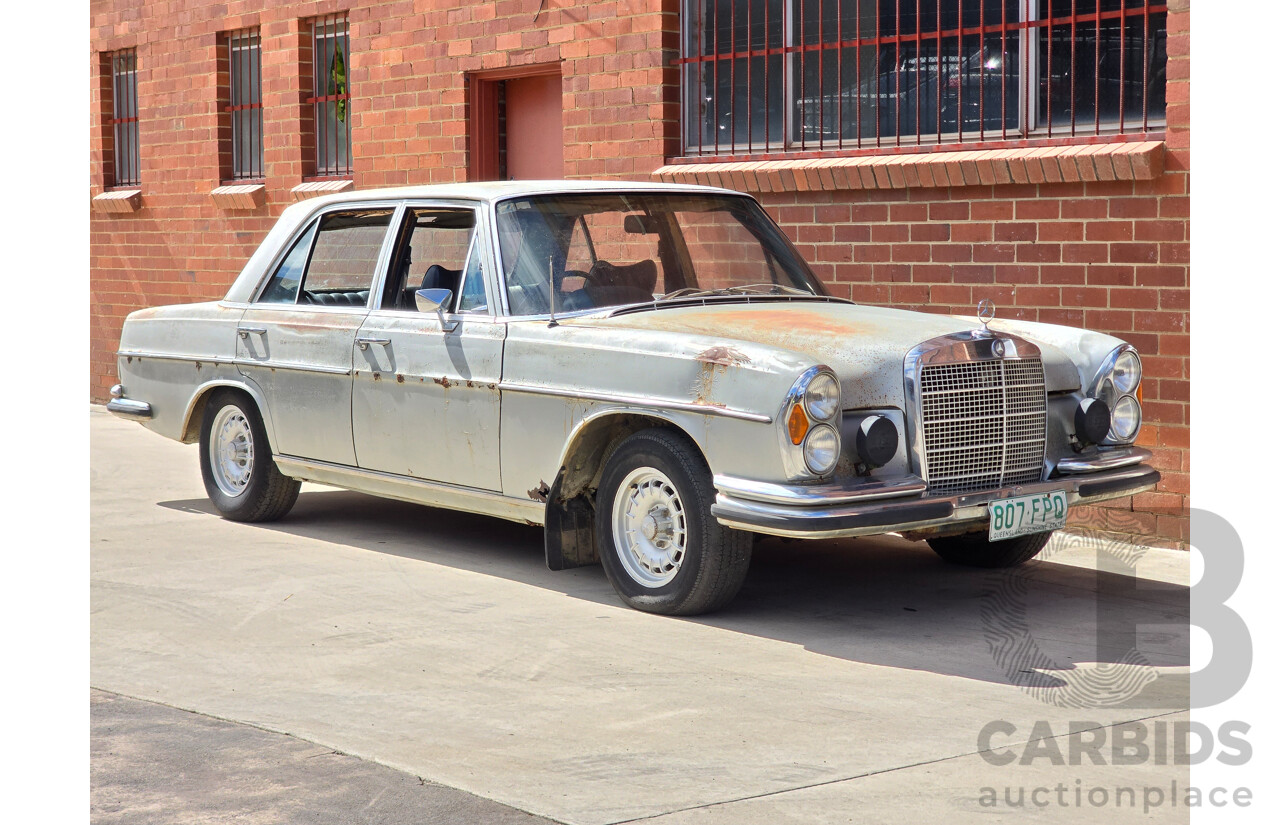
[(315, 188), (118, 201), (240, 196), (994, 167)]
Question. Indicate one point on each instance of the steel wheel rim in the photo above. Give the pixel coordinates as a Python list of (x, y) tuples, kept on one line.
[(231, 450), (650, 530)]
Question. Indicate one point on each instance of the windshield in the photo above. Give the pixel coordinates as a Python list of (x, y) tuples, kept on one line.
[(602, 250)]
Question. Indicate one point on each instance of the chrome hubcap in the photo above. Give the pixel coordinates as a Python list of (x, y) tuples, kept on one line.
[(649, 527), (231, 450)]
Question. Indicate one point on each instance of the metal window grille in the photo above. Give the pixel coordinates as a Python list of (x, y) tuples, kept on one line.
[(768, 76), (330, 51), (124, 117), (244, 58)]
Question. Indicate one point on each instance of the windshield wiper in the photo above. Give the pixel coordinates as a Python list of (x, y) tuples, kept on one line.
[(766, 288), (743, 289)]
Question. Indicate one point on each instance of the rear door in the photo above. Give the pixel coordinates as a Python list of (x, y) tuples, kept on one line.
[(425, 397), (295, 340)]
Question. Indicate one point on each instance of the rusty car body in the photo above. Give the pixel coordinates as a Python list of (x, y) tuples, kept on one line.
[(649, 371)]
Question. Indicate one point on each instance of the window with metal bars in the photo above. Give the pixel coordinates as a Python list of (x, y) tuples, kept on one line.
[(244, 103), (331, 97), (764, 76), (123, 123)]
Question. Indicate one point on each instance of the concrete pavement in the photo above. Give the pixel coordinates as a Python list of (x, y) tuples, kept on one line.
[(153, 763), (848, 682)]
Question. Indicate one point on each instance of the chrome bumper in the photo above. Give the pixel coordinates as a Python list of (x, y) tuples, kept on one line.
[(835, 511), (127, 407)]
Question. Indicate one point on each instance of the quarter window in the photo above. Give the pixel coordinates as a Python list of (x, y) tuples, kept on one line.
[(777, 75)]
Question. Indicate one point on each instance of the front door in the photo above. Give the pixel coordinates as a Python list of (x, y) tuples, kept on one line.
[(535, 131), (425, 397), (295, 341)]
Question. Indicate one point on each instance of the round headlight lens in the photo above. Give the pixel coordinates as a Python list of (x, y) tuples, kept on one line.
[(1126, 417), (822, 397), (822, 449), (1127, 372)]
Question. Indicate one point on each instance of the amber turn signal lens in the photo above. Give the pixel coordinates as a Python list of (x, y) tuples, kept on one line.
[(1139, 392), (797, 424)]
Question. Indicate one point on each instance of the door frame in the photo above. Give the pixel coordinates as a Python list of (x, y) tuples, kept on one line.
[(483, 145)]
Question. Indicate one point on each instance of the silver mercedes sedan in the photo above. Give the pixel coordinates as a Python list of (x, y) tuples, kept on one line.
[(651, 372)]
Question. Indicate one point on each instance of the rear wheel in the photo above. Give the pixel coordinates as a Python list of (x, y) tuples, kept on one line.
[(659, 545), (239, 472), (976, 550)]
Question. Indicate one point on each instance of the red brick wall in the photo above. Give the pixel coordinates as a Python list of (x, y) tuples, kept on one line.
[(1109, 255)]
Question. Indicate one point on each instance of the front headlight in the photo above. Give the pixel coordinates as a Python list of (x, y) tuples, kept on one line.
[(821, 449), (1118, 385), (822, 397), (1126, 418), (1127, 373), (810, 418)]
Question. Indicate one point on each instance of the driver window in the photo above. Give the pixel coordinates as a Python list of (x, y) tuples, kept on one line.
[(432, 254)]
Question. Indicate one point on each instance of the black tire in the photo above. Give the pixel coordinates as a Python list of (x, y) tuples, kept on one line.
[(714, 559), (976, 550), (267, 494)]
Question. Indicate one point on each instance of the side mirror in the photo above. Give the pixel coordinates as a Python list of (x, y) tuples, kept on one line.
[(435, 300), (432, 300)]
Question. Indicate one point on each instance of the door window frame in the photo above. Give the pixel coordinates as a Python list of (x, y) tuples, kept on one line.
[(477, 246), (306, 226)]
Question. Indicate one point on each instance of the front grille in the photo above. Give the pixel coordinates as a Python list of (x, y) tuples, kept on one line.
[(983, 424)]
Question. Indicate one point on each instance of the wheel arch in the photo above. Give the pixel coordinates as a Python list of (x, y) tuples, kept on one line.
[(195, 408), (570, 513)]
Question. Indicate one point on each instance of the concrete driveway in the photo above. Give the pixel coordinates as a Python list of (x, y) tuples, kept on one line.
[(848, 682)]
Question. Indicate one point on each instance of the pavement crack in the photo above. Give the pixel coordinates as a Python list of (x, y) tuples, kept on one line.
[(840, 779)]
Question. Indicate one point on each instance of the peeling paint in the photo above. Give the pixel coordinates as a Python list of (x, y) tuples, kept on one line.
[(725, 356), (540, 492)]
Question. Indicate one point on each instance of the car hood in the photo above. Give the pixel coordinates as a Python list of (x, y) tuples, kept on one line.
[(865, 345)]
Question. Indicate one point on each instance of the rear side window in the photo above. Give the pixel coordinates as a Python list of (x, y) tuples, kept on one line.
[(333, 263)]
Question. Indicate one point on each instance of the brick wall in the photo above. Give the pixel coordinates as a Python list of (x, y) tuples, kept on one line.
[(1110, 255)]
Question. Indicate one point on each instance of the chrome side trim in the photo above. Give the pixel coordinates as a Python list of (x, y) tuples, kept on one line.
[(280, 365), (160, 356), (1105, 460), (637, 401), (818, 494), (415, 490)]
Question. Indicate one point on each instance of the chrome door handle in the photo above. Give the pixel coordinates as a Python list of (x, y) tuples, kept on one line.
[(363, 343), (245, 332)]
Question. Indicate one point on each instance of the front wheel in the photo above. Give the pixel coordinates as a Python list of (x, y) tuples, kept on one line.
[(976, 550), (239, 473), (659, 545)]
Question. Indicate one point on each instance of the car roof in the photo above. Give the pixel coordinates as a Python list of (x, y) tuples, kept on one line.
[(499, 190)]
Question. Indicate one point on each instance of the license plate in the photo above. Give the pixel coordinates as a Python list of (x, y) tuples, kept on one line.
[(1011, 517)]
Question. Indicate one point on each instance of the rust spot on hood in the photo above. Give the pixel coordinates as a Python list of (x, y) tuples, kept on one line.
[(443, 381), (399, 379), (724, 356)]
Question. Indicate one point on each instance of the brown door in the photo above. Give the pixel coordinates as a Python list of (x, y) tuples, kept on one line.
[(535, 133)]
